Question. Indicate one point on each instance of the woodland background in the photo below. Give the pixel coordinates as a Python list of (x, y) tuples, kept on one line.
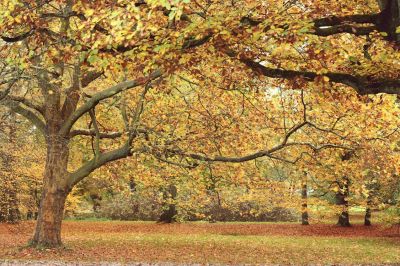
[(178, 110)]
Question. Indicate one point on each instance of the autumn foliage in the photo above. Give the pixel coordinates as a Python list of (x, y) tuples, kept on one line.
[(181, 110)]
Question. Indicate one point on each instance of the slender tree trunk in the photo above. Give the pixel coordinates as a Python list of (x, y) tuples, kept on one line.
[(14, 214), (341, 200), (9, 203), (367, 218), (304, 198), (372, 187), (54, 194)]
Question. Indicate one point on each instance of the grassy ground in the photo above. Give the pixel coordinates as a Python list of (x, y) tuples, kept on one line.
[(225, 243)]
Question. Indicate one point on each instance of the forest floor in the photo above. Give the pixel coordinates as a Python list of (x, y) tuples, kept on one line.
[(201, 243)]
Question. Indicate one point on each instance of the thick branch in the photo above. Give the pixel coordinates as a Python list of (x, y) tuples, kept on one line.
[(334, 25), (346, 28), (91, 133), (26, 102), (4, 94), (97, 162), (362, 84), (90, 77), (18, 38), (28, 114), (335, 20), (95, 99)]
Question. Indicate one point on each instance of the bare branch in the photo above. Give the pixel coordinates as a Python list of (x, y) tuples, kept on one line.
[(97, 133), (91, 133)]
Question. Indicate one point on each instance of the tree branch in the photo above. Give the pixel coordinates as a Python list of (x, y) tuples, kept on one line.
[(346, 28), (5, 93), (91, 133), (362, 84), (335, 20), (26, 102), (17, 38), (95, 99), (103, 158), (262, 153), (28, 114), (334, 25), (97, 133)]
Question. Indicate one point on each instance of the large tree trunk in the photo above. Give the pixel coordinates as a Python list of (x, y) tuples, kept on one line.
[(304, 197), (341, 200), (389, 19), (48, 226), (54, 193)]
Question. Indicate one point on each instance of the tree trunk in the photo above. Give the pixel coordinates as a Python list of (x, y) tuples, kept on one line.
[(54, 194), (169, 213), (9, 203), (389, 18), (304, 198), (341, 200), (48, 226), (367, 219)]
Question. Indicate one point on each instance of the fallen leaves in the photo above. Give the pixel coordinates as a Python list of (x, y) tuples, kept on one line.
[(230, 243)]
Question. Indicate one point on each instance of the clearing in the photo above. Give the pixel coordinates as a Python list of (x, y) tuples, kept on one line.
[(225, 243)]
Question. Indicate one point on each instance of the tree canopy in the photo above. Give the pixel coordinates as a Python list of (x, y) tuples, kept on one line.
[(194, 83)]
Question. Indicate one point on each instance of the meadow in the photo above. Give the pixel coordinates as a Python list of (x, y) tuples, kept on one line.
[(201, 243)]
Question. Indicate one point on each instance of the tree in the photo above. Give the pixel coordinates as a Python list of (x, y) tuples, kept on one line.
[(304, 196), (169, 209), (57, 53), (9, 211)]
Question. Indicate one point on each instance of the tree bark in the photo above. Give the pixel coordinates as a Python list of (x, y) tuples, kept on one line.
[(389, 18), (367, 219), (341, 200), (48, 226), (54, 194), (169, 213), (304, 198)]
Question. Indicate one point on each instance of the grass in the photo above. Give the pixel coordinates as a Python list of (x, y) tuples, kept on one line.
[(223, 243), (259, 249)]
